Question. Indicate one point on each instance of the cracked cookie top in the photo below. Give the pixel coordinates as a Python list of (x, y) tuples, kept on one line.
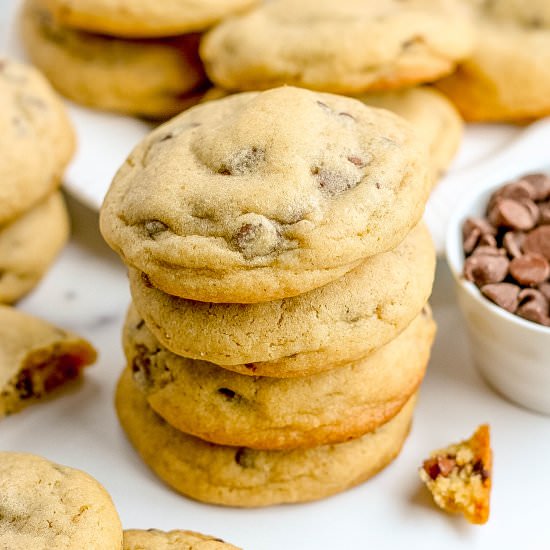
[(348, 46), (260, 196)]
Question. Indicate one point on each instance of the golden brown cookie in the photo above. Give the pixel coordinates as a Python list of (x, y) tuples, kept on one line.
[(506, 78), (46, 506), (220, 406), (36, 139), (236, 476), (36, 358), (460, 476), (344, 46), (29, 245), (151, 78), (261, 196)]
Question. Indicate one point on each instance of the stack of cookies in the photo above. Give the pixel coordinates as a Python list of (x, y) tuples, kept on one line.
[(279, 330), (135, 57), (37, 142)]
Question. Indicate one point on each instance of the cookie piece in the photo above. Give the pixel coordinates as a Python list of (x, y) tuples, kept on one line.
[(328, 327), (506, 77), (144, 18), (46, 506), (459, 476), (434, 118), (237, 476), (36, 139), (277, 413), (388, 44), (153, 539), (151, 78), (29, 245), (261, 196), (36, 358)]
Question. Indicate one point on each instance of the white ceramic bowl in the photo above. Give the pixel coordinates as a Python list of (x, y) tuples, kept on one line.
[(512, 354)]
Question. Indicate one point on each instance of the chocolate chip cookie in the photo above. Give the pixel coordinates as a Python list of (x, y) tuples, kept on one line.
[(276, 413), (261, 196), (153, 539), (36, 358), (151, 78), (346, 47), (29, 245), (48, 506), (506, 77), (325, 328), (36, 139), (237, 476), (144, 18)]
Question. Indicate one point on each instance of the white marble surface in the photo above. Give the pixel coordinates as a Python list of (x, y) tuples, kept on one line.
[(87, 291)]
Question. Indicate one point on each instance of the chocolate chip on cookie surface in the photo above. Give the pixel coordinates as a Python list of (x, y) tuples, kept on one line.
[(260, 196)]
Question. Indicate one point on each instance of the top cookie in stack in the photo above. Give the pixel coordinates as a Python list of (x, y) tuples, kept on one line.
[(135, 57), (257, 197)]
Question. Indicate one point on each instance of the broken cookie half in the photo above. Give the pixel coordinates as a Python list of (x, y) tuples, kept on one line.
[(459, 476), (36, 358)]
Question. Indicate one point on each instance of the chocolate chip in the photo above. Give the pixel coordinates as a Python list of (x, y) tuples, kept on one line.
[(439, 465), (471, 239), (530, 269), (544, 208), (146, 281), (154, 227), (544, 289), (140, 324), (517, 190), (357, 161), (226, 392), (334, 183), (538, 241), (484, 269), (511, 213), (24, 384), (533, 306), (540, 184), (141, 366), (513, 243), (479, 468), (245, 458), (473, 230), (504, 295)]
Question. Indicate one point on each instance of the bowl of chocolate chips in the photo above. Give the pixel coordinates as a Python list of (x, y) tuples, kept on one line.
[(498, 249)]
